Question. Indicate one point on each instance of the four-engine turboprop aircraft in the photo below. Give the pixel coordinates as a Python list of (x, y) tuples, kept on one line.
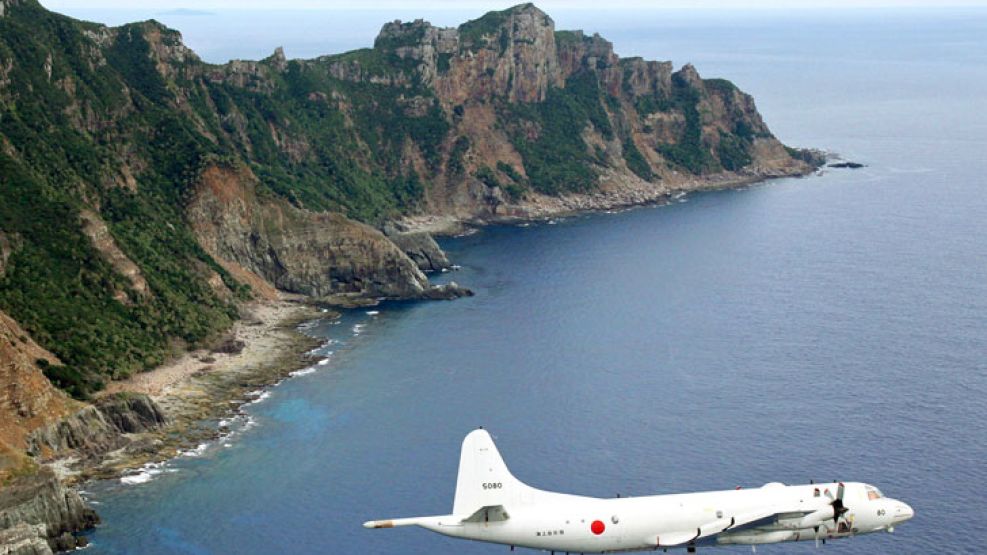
[(491, 505)]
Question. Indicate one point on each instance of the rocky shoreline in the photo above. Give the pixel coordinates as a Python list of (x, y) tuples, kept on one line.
[(148, 419), (617, 191)]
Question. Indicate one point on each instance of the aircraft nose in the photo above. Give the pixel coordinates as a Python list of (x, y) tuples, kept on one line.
[(902, 512)]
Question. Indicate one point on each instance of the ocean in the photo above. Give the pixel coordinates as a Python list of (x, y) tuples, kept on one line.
[(832, 327)]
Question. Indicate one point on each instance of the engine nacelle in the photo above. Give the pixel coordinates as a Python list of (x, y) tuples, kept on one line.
[(816, 518), (807, 522)]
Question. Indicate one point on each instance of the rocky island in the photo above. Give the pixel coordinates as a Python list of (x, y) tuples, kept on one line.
[(156, 209)]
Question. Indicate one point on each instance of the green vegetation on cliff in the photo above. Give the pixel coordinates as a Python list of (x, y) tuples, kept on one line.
[(689, 151), (557, 159), (57, 285)]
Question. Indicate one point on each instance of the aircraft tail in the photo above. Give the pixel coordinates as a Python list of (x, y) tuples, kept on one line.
[(484, 480)]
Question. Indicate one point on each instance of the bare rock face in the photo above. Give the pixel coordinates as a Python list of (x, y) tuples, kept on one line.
[(422, 249), (578, 52), (510, 54), (644, 77), (24, 539), (315, 254), (97, 429), (38, 515)]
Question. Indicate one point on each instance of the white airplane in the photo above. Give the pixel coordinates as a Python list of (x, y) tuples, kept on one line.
[(491, 505)]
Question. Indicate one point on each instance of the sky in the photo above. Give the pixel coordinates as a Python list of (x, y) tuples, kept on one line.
[(547, 5)]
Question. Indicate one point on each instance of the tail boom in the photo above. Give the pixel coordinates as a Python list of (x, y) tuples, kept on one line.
[(442, 524)]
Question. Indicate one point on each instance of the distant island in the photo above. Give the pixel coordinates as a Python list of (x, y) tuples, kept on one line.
[(151, 200)]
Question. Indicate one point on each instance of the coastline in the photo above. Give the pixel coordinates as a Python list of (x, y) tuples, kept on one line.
[(617, 191), (204, 386), (256, 329)]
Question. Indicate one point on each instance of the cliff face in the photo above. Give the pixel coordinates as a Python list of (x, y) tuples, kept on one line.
[(510, 54), (38, 515), (422, 249), (316, 254), (533, 111), (97, 429)]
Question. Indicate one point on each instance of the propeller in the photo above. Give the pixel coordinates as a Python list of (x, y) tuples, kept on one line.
[(839, 509)]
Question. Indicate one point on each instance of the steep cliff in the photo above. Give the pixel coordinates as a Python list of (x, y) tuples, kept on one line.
[(316, 254), (536, 113), (38, 515), (421, 248)]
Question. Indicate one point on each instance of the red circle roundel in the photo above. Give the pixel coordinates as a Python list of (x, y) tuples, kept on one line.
[(597, 527)]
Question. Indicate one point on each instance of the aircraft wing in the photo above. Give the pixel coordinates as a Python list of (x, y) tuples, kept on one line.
[(757, 520), (718, 526)]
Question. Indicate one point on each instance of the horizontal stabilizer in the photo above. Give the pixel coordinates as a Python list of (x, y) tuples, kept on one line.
[(491, 513)]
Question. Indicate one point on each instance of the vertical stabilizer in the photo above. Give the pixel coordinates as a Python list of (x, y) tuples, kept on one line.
[(483, 480)]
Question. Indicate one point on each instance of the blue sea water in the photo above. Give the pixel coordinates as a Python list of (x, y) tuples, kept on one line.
[(832, 327)]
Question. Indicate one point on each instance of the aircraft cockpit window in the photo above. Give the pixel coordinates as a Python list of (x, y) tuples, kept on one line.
[(874, 493)]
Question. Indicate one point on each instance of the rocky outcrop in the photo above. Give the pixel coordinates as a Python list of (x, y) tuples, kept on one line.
[(422, 249), (510, 54), (97, 429), (321, 255), (38, 515), (447, 292), (24, 539), (579, 52)]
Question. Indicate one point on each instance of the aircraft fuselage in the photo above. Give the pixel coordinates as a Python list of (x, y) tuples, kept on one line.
[(593, 525), (491, 505)]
